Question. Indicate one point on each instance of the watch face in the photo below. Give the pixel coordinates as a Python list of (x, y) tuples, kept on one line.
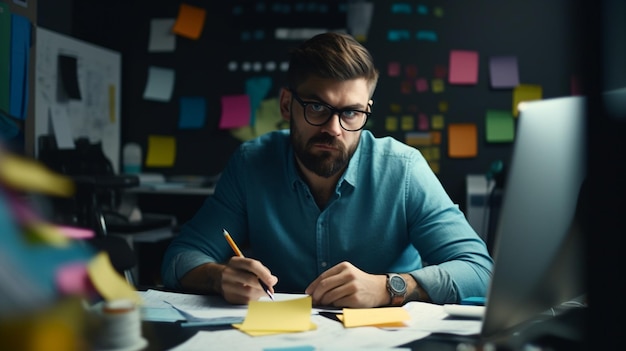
[(397, 283)]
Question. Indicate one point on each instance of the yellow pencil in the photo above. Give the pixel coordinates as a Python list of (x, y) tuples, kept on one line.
[(238, 252)]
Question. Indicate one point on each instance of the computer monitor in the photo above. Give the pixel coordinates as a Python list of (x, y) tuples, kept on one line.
[(539, 243)]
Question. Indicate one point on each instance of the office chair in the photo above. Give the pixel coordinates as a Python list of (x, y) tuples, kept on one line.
[(97, 192)]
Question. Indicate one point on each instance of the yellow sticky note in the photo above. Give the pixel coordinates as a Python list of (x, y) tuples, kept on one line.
[(190, 21), (278, 316), (313, 326), (443, 106), (161, 151), (391, 123), (438, 85), (395, 108), (525, 92), (46, 232), (108, 282), (407, 122), (382, 316), (437, 122), (462, 140), (23, 173)]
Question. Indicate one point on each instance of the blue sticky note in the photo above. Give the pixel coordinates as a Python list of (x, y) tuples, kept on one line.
[(474, 300), (257, 89), (401, 8), (397, 35), (20, 46), (428, 35), (192, 112)]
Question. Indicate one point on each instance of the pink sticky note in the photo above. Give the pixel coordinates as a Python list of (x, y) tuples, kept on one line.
[(76, 233), (235, 111), (422, 121), (393, 69), (463, 67), (421, 85), (72, 278)]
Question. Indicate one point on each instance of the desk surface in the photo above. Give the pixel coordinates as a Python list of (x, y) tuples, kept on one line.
[(166, 335), (547, 334)]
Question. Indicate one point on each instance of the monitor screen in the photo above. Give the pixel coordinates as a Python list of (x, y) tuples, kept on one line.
[(538, 253)]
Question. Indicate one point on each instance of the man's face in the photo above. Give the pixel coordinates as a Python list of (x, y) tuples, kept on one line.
[(324, 150)]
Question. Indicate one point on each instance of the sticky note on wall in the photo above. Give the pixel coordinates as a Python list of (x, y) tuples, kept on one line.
[(462, 140), (525, 92), (499, 126), (190, 21), (463, 67), (161, 151)]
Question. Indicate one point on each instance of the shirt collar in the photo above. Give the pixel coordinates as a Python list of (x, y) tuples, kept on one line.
[(350, 176)]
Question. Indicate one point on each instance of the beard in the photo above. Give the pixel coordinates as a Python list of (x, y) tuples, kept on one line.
[(324, 164)]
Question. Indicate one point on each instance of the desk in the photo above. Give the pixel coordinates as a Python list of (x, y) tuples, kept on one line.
[(180, 202), (166, 335), (563, 332)]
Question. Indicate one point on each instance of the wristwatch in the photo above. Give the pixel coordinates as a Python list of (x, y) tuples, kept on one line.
[(396, 285)]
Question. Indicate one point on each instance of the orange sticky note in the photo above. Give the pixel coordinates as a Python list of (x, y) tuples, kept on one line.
[(190, 21), (462, 140)]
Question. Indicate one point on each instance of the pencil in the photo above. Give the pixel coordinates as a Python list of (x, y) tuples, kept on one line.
[(238, 252)]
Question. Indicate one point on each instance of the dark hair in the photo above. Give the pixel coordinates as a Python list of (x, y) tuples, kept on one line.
[(331, 55)]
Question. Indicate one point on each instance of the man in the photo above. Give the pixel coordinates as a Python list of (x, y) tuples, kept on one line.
[(327, 209)]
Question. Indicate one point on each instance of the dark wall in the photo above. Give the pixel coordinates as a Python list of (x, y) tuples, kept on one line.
[(200, 66), (539, 33)]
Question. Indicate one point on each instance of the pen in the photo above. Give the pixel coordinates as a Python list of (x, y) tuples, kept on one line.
[(238, 252)]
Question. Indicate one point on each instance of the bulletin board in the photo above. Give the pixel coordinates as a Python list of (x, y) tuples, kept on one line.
[(77, 92)]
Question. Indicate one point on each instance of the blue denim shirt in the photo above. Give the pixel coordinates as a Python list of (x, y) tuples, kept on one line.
[(389, 213)]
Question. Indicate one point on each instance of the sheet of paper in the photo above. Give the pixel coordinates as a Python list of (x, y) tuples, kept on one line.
[(160, 84), (200, 306), (162, 38), (328, 335)]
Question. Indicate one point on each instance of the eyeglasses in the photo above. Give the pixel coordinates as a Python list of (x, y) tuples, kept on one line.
[(318, 113)]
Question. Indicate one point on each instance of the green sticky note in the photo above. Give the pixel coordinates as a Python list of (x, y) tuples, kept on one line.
[(5, 55), (500, 126)]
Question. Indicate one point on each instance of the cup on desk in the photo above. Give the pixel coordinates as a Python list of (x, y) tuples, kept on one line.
[(118, 327)]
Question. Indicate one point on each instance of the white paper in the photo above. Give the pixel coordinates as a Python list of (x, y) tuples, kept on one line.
[(162, 39), (160, 84)]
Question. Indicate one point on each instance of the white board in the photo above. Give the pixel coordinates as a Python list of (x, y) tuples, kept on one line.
[(96, 115)]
